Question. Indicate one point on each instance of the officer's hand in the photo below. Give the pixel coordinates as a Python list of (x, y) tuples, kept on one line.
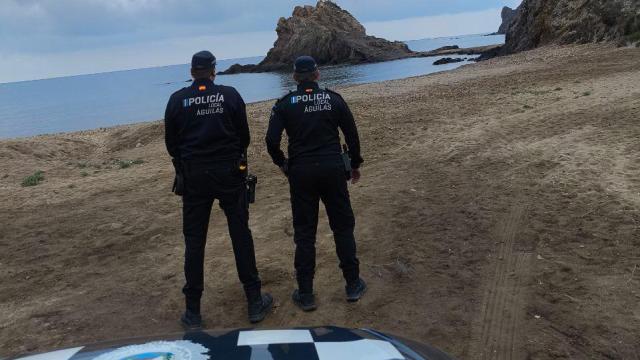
[(355, 176), (285, 168)]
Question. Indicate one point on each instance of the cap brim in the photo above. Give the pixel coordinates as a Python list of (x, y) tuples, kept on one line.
[(203, 67), (305, 71)]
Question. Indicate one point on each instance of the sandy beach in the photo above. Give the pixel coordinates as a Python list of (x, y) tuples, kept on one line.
[(498, 218)]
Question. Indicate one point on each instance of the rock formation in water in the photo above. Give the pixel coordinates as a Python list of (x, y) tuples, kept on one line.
[(448, 47), (448, 60), (328, 33), (542, 22), (508, 14)]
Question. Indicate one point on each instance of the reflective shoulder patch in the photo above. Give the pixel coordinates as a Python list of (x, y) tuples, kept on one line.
[(285, 97)]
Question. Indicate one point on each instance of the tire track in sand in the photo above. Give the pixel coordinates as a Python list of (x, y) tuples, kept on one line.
[(503, 306)]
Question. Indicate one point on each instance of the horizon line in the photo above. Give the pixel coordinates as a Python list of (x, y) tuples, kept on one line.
[(181, 64)]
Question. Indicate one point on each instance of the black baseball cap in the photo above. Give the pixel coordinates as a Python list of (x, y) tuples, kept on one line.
[(305, 64), (203, 60)]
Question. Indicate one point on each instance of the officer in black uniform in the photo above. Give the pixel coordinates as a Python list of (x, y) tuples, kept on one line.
[(206, 134), (311, 117)]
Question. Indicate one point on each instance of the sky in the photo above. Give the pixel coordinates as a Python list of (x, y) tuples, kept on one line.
[(50, 38)]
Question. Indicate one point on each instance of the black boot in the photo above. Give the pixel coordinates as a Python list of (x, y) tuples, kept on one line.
[(306, 302), (259, 305), (355, 290), (191, 319)]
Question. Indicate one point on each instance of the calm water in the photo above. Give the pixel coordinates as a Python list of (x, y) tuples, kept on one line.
[(123, 97)]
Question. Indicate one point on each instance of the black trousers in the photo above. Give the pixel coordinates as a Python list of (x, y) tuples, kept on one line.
[(310, 182), (203, 184)]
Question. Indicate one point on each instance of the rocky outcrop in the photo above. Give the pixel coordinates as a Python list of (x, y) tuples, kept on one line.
[(328, 33), (448, 47), (542, 22), (448, 60), (508, 14), (489, 53), (484, 52)]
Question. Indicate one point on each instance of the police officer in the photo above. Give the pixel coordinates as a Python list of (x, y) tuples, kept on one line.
[(311, 117), (206, 134)]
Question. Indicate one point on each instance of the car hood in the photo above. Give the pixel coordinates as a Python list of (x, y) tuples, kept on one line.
[(320, 343)]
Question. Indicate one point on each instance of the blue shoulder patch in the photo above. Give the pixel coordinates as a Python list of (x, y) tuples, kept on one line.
[(285, 97)]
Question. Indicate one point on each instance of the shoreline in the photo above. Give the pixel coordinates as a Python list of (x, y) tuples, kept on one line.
[(148, 122), (480, 51), (244, 58)]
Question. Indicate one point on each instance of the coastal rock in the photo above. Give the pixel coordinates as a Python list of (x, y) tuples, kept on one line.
[(508, 15), (478, 50), (328, 33), (489, 53), (448, 60), (448, 47), (541, 22)]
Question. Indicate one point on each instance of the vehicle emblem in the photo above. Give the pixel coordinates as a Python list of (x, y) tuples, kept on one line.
[(159, 350)]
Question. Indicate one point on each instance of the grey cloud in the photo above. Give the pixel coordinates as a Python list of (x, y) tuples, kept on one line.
[(56, 26), (44, 38), (86, 18)]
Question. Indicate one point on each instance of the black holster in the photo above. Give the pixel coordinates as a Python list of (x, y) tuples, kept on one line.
[(346, 159), (178, 181), (252, 181)]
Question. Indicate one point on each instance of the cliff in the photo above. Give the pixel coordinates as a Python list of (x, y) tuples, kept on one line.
[(542, 22), (508, 14)]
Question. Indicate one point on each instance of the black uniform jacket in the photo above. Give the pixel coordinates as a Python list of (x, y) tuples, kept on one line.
[(311, 117), (206, 122)]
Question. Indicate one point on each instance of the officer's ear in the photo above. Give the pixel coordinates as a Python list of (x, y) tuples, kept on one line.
[(213, 74)]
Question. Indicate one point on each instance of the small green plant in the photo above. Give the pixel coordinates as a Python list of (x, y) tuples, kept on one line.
[(82, 165), (33, 180), (539, 92), (123, 164), (558, 89), (586, 93), (84, 174), (634, 38), (527, 107)]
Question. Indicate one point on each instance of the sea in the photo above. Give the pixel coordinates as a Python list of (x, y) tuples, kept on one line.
[(86, 102)]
